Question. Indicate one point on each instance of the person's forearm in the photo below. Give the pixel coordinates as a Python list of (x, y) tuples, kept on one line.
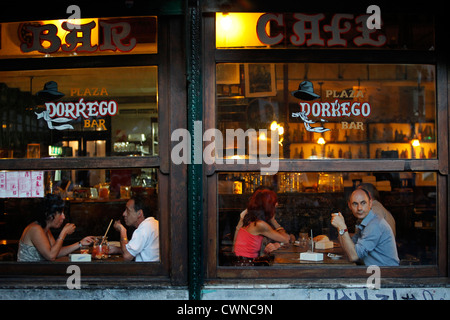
[(123, 243), (348, 246), (68, 249), (123, 239), (275, 224), (55, 249)]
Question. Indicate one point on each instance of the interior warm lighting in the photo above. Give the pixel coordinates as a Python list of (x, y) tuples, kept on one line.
[(62, 32), (280, 142), (235, 29), (262, 136), (321, 141), (415, 142), (225, 22), (273, 126)]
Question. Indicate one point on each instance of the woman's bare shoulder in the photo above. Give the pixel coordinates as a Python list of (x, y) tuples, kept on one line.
[(34, 229), (261, 225)]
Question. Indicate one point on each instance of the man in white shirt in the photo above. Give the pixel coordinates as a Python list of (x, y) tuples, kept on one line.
[(144, 243)]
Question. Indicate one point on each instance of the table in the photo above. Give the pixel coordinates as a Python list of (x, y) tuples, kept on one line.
[(111, 258), (289, 254)]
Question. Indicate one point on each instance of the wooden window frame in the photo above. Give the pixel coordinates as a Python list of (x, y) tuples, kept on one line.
[(214, 56), (172, 202)]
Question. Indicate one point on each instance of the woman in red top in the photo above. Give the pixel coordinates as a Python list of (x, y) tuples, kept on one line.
[(259, 222)]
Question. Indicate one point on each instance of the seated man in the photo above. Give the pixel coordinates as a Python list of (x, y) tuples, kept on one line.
[(144, 244), (374, 241), (377, 207)]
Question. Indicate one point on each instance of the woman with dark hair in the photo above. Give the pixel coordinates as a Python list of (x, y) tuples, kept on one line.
[(37, 242), (259, 222)]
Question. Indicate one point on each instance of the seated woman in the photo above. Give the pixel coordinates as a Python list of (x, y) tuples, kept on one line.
[(258, 222), (37, 242)]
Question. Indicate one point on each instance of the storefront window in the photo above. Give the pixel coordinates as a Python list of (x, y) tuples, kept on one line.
[(306, 201), (95, 112), (84, 127), (92, 199), (329, 110), (317, 96)]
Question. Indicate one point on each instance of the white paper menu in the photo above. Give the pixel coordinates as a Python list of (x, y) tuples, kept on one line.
[(21, 184), (2, 184)]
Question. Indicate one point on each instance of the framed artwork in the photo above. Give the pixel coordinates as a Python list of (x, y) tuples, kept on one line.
[(33, 151), (6, 153), (227, 73), (260, 80), (426, 179)]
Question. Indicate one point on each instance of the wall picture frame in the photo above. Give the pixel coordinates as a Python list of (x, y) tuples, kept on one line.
[(260, 80), (227, 73), (33, 151)]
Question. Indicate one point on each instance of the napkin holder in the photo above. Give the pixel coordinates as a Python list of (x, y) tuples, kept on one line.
[(79, 257), (311, 256)]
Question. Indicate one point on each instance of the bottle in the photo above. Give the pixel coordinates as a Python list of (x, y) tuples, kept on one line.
[(296, 135), (422, 153), (237, 184), (360, 153)]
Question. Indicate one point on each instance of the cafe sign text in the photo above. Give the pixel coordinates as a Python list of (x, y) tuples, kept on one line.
[(59, 114), (78, 37), (308, 30)]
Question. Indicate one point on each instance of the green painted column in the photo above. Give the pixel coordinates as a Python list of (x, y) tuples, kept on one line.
[(194, 117)]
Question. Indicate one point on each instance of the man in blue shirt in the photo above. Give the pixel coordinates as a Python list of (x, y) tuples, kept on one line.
[(374, 241)]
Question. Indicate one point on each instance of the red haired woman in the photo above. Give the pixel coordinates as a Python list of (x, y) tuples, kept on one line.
[(259, 222)]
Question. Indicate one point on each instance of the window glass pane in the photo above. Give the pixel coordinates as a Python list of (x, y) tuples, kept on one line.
[(331, 111), (92, 198), (306, 201), (93, 36), (94, 112), (239, 30)]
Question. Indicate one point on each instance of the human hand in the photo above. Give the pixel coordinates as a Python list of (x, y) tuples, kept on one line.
[(272, 247), (291, 238), (69, 228), (118, 226), (87, 240), (338, 221), (114, 250)]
